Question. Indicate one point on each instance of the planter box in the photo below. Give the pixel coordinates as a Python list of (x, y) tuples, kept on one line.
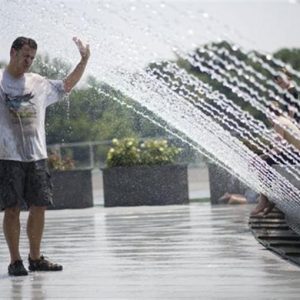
[(72, 189), (145, 185), (221, 181)]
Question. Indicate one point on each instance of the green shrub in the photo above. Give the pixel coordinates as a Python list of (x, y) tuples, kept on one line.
[(131, 152)]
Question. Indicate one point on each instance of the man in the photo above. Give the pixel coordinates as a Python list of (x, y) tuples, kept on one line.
[(24, 174)]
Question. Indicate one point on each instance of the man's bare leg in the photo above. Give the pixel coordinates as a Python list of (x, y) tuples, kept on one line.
[(11, 229), (35, 228)]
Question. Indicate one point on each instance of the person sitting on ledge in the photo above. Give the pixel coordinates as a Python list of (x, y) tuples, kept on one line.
[(288, 129)]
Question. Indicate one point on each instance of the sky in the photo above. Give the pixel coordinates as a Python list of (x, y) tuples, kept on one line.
[(268, 25), (261, 25)]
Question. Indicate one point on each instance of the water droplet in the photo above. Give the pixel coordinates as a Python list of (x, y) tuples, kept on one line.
[(269, 57), (190, 32)]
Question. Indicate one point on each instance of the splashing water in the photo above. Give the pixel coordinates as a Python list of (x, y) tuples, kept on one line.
[(126, 37)]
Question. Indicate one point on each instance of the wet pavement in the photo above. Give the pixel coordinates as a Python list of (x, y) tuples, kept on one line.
[(164, 252)]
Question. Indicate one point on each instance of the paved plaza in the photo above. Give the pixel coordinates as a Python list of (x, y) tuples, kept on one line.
[(163, 252)]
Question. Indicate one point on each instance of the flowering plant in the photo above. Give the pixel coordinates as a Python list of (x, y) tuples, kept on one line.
[(57, 163), (131, 152)]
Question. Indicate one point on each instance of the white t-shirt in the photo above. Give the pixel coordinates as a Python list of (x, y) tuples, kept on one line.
[(23, 103)]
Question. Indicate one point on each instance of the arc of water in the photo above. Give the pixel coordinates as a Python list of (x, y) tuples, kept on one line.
[(280, 64), (243, 67), (233, 84), (235, 32), (268, 175), (233, 88), (213, 109)]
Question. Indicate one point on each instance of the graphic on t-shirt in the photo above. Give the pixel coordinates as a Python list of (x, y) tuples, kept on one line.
[(21, 106)]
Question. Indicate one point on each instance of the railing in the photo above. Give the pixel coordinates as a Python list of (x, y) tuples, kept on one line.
[(92, 154), (83, 153)]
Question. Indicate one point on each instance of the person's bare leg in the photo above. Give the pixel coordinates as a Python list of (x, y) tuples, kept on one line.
[(35, 228), (11, 229), (224, 198), (263, 206), (237, 199)]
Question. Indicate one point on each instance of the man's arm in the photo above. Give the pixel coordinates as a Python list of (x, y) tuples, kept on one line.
[(71, 80)]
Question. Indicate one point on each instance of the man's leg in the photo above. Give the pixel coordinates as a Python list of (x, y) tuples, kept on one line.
[(35, 228), (39, 197), (11, 229)]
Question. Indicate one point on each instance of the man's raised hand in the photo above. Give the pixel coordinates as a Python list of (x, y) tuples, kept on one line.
[(84, 50)]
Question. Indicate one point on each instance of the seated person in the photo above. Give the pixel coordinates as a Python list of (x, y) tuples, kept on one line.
[(288, 130)]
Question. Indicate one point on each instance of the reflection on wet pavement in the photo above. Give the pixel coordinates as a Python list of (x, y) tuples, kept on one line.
[(179, 252)]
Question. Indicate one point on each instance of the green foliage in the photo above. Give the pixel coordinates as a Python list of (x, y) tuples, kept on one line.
[(52, 69), (87, 115), (158, 152), (291, 56), (125, 152), (131, 152)]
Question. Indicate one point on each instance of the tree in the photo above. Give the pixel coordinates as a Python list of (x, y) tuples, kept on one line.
[(290, 56), (87, 115)]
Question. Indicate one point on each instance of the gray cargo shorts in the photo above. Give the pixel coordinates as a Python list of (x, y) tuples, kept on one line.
[(24, 184)]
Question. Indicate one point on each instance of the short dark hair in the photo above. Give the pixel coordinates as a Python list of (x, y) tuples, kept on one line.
[(20, 41)]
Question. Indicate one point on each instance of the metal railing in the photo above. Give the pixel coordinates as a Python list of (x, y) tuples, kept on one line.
[(92, 154), (88, 158)]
